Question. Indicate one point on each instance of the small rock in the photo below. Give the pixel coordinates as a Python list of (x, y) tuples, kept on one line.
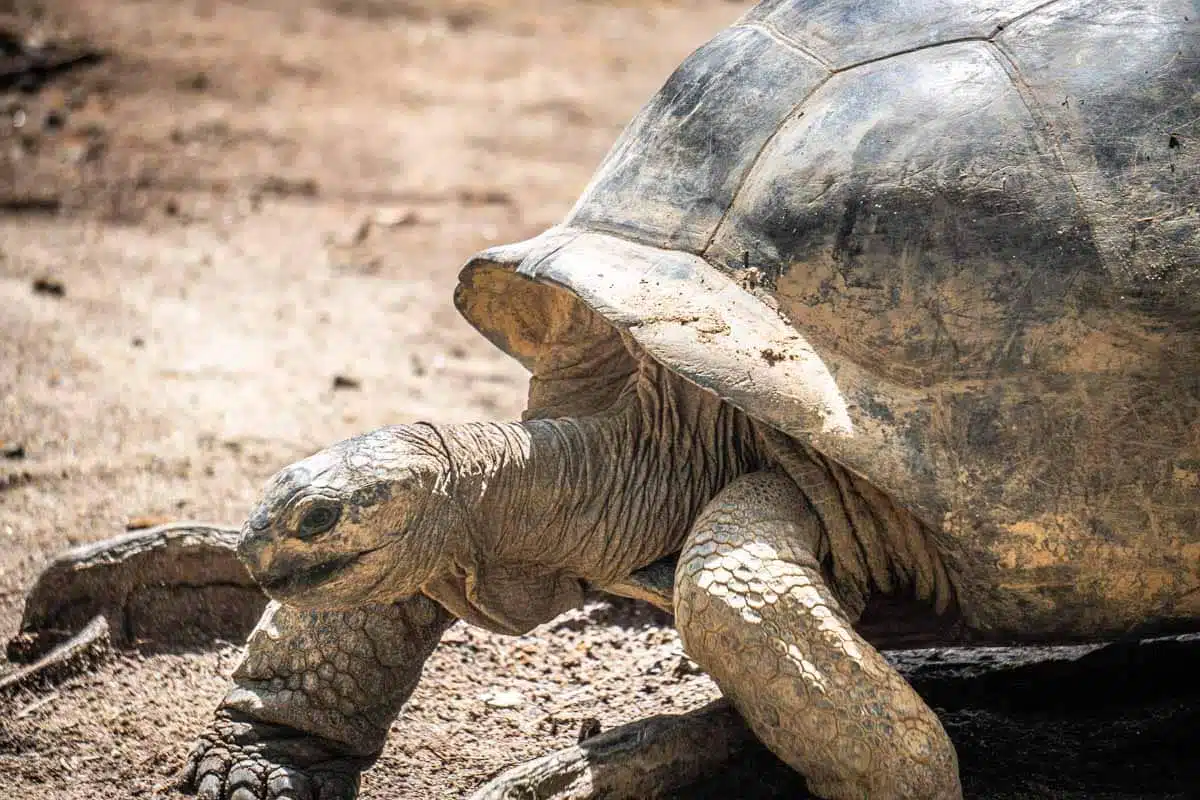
[(49, 286), (13, 452), (140, 523), (54, 120), (196, 83), (504, 699), (137, 341), (85, 148), (686, 667), (588, 727), (485, 197), (396, 217), (288, 187), (346, 382)]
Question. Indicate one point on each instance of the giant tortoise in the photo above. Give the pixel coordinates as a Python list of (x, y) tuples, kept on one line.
[(880, 323)]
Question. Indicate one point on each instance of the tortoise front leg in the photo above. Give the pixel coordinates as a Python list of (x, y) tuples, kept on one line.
[(753, 609), (313, 701)]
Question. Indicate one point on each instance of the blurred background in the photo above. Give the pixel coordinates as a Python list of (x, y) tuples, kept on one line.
[(229, 233)]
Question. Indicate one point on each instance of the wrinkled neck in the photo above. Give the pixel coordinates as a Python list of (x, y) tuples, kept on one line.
[(599, 496)]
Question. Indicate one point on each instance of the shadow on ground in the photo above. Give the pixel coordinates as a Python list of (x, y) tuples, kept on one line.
[(1074, 723)]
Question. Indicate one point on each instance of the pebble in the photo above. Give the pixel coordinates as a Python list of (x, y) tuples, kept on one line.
[(588, 728), (505, 698), (396, 217), (49, 286)]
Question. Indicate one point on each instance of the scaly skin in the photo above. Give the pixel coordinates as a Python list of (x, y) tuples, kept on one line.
[(501, 525), (643, 759), (313, 701), (753, 609)]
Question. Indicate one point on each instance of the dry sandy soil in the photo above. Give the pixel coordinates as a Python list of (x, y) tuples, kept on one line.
[(230, 239)]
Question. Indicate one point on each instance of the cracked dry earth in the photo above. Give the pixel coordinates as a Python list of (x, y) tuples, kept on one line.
[(228, 236)]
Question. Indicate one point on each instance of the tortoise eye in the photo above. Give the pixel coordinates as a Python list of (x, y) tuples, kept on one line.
[(318, 520)]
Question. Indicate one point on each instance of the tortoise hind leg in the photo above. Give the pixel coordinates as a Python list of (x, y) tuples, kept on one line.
[(175, 585), (647, 758), (753, 610)]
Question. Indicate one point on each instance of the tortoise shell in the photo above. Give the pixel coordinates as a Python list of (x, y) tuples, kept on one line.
[(952, 246)]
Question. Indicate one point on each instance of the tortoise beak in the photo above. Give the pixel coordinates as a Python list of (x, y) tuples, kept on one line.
[(252, 548), (288, 577)]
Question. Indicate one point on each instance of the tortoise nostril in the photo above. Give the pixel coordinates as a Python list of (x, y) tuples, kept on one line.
[(260, 519), (251, 546)]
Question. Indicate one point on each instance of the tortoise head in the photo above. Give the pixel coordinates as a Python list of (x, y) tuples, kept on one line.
[(364, 521)]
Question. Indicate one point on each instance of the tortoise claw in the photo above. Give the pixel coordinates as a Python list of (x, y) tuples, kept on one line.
[(239, 758)]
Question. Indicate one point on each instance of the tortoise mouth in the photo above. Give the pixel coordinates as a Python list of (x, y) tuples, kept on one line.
[(297, 581)]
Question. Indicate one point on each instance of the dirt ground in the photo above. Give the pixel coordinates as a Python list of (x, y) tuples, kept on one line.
[(229, 232), (241, 202)]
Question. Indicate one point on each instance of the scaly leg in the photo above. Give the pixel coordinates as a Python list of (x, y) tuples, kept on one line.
[(753, 609), (640, 760), (313, 701)]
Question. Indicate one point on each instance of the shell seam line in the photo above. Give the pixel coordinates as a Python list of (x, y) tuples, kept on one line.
[(1045, 127), (533, 269), (777, 35), (788, 41), (792, 114), (712, 237), (1039, 7), (997, 29)]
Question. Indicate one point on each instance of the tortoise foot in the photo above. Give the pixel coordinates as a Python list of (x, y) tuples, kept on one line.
[(177, 585), (240, 758), (643, 759)]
